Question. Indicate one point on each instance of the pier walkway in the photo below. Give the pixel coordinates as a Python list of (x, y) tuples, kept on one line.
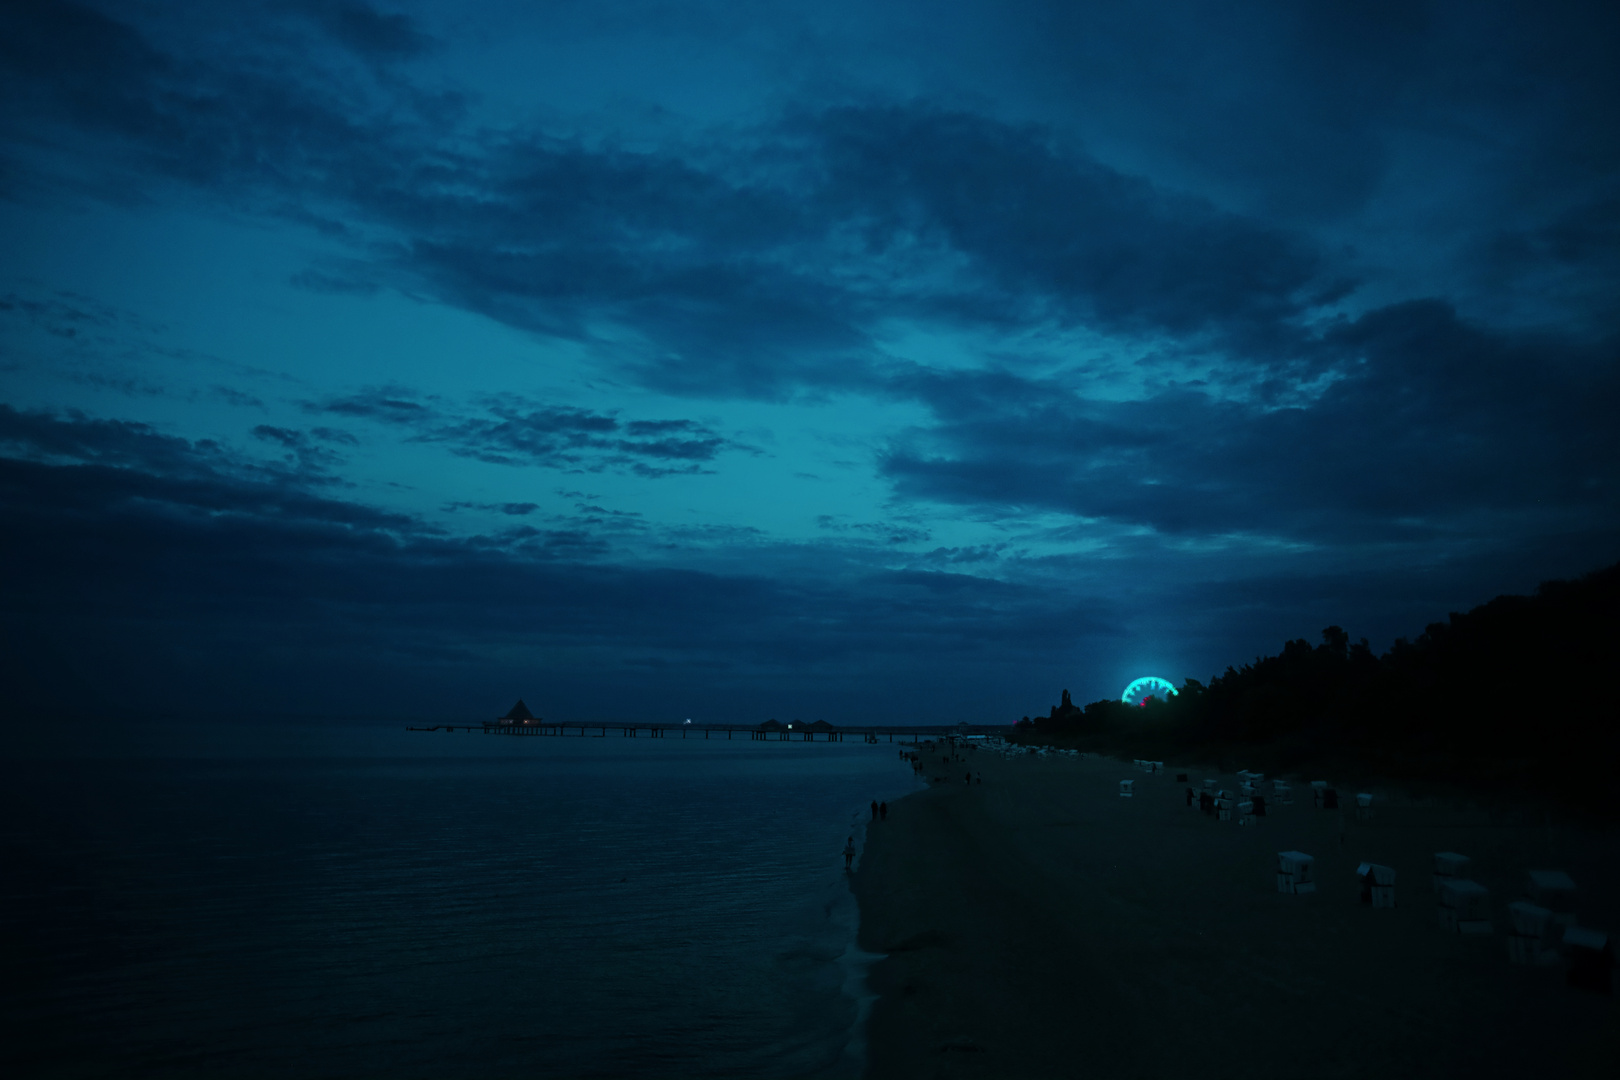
[(595, 729)]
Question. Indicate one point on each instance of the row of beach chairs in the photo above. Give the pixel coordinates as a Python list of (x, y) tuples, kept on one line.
[(1543, 928), (1248, 803)]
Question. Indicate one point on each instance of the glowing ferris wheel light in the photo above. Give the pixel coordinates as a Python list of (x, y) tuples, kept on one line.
[(1149, 686)]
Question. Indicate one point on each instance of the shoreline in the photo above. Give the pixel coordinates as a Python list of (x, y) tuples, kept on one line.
[(856, 965), (1038, 921), (856, 961)]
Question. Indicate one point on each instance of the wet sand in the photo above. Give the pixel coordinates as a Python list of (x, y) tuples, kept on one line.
[(1040, 925)]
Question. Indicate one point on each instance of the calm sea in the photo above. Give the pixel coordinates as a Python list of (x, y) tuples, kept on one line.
[(486, 907)]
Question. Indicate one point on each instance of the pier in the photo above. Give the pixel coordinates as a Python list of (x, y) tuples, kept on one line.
[(816, 732)]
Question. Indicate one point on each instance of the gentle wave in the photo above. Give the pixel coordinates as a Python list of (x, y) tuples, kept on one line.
[(560, 909)]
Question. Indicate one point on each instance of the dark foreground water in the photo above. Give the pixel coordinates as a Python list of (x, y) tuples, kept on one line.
[(559, 908)]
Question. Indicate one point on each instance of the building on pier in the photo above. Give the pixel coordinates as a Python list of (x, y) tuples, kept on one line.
[(520, 714)]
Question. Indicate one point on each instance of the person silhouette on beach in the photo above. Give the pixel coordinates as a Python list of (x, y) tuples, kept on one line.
[(883, 811), (874, 809), (849, 852)]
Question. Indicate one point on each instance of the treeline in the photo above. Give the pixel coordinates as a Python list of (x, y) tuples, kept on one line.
[(1518, 695)]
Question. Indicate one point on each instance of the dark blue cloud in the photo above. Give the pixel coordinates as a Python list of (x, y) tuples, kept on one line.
[(881, 531), (197, 567), (391, 405), (741, 285), (725, 250), (1049, 230), (304, 449), (238, 399), (368, 31), (513, 431), (512, 509), (727, 256), (102, 478), (1426, 428), (1284, 109), (72, 317)]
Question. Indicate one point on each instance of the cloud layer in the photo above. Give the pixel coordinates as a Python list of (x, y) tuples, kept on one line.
[(1050, 337), (131, 548), (512, 431)]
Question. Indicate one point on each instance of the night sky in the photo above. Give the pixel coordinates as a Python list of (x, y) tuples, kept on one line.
[(867, 362)]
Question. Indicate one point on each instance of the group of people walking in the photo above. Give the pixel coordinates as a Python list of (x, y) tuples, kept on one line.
[(880, 810)]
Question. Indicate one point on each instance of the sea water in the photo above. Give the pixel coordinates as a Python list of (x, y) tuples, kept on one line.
[(485, 907)]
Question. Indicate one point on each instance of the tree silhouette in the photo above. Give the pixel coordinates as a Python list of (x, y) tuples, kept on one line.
[(1513, 694)]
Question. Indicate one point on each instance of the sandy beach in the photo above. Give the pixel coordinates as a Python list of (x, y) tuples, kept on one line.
[(1037, 925)]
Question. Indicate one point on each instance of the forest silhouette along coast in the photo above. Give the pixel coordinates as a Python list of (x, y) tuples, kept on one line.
[(1511, 700)]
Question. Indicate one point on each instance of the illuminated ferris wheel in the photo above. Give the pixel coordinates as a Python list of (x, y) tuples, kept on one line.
[(1147, 687)]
